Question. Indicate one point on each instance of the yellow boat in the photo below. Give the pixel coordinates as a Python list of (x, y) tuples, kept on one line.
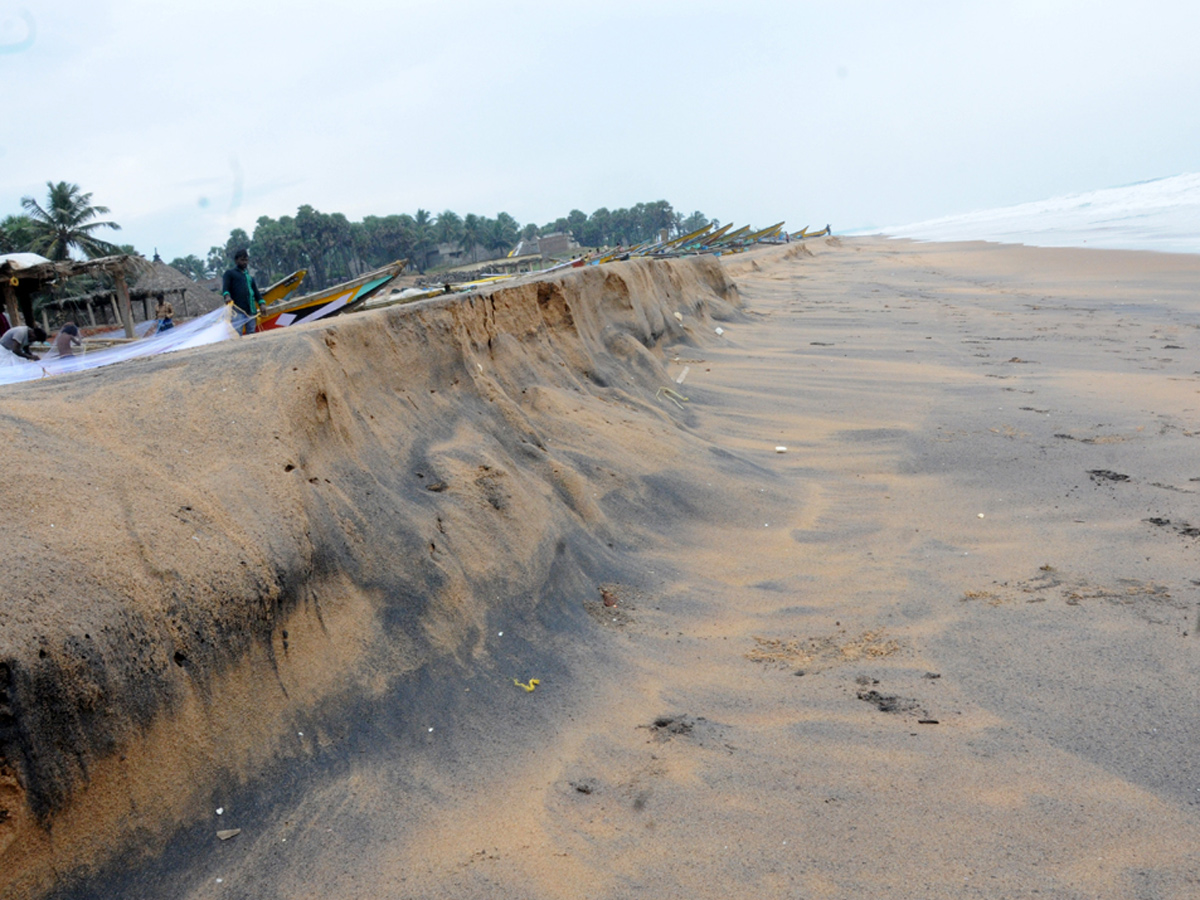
[(283, 287), (763, 234), (725, 239)]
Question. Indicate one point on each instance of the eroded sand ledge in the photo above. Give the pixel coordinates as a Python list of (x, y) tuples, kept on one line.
[(986, 517), (230, 541)]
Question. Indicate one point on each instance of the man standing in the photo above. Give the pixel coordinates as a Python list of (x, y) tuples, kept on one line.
[(239, 288)]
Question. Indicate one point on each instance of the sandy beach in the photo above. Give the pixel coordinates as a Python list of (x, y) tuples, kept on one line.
[(853, 568)]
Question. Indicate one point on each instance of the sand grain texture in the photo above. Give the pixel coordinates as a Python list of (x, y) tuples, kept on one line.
[(295, 579)]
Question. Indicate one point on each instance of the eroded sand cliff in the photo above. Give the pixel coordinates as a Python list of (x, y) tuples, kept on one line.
[(942, 646)]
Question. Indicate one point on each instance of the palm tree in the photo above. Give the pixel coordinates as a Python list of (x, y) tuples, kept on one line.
[(473, 231), (423, 238), (66, 223), (449, 227)]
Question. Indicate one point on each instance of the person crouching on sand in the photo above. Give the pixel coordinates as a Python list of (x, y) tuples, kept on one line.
[(164, 312), (17, 340)]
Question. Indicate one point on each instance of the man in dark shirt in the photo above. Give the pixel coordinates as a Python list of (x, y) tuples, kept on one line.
[(239, 288)]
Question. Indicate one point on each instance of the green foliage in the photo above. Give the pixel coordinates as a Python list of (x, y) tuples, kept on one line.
[(66, 223), (217, 260), (16, 234), (192, 266), (449, 227), (334, 249), (694, 222), (474, 231)]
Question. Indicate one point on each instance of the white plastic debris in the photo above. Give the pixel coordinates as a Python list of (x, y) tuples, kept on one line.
[(781, 449), (679, 380), (720, 330), (220, 810), (679, 317), (981, 515)]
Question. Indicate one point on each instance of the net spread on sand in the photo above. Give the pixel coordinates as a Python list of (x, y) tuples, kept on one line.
[(208, 329)]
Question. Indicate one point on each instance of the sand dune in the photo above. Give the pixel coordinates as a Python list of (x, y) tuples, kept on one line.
[(941, 646)]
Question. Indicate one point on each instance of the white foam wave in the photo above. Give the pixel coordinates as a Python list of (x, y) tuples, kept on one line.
[(1162, 215)]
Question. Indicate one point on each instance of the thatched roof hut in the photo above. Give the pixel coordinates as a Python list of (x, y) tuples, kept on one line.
[(163, 279), (23, 274), (156, 280)]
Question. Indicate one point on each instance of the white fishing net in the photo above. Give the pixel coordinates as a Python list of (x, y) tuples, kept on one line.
[(208, 329)]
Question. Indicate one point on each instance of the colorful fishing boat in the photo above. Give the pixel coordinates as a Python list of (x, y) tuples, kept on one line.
[(283, 287), (805, 233), (725, 239), (331, 301), (688, 238)]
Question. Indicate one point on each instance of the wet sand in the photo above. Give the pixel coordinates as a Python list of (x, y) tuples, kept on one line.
[(942, 646)]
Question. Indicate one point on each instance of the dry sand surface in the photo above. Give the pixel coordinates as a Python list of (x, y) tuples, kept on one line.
[(942, 646)]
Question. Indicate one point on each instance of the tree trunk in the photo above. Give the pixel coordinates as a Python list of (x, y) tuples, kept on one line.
[(123, 297), (10, 304)]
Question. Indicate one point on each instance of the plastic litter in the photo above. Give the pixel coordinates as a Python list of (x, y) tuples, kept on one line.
[(227, 833), (781, 449), (533, 682), (673, 396)]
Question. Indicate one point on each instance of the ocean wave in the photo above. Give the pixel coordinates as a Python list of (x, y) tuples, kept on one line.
[(1162, 215)]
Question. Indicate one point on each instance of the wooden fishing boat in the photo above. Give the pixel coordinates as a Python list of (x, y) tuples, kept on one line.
[(283, 287), (725, 239), (764, 234), (805, 233), (331, 301), (688, 238)]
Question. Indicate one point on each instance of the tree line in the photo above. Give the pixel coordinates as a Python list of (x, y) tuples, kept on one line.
[(335, 249), (331, 247)]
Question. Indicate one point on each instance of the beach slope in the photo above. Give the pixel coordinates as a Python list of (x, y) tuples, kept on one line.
[(859, 567)]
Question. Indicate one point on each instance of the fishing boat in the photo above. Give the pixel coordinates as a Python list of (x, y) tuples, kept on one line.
[(722, 239), (688, 238), (329, 302), (283, 287), (740, 240), (805, 233)]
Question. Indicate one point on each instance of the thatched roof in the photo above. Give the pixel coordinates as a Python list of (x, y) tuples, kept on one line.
[(18, 266), (156, 278), (163, 279)]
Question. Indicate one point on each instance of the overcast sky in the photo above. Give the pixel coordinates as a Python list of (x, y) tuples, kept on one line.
[(189, 118)]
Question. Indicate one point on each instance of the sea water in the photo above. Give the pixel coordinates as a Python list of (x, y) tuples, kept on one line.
[(1162, 215)]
